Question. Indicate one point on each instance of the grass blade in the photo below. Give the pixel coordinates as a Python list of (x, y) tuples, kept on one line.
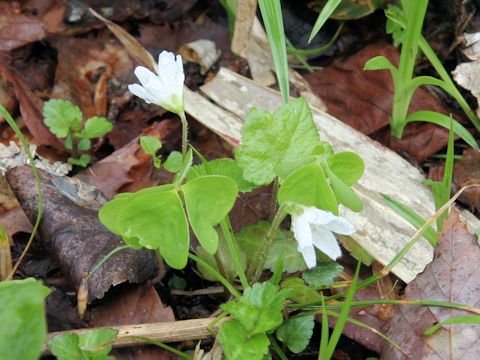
[(326, 12), (272, 18), (325, 333), (453, 321), (412, 217)]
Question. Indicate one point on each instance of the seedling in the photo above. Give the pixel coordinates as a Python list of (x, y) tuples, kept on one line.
[(405, 83), (151, 145), (65, 120)]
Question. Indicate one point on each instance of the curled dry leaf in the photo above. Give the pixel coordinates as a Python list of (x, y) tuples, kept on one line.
[(363, 100), (451, 277), (77, 240)]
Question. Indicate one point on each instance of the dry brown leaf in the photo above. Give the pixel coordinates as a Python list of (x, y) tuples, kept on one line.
[(451, 277), (363, 100), (466, 172)]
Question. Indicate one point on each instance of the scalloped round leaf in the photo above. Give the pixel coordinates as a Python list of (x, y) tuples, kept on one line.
[(348, 166), (286, 136), (61, 115), (96, 126), (308, 186), (208, 200), (237, 344)]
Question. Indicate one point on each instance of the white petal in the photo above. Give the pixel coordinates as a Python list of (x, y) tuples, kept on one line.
[(139, 91), (324, 241), (144, 75), (167, 68), (302, 231), (334, 223), (309, 256)]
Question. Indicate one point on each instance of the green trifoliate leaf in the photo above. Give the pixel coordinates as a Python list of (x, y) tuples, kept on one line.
[(91, 345), (251, 237), (61, 117), (153, 218), (22, 316), (83, 161), (237, 344), (224, 167), (95, 127), (344, 194), (150, 145), (296, 332), (173, 162), (323, 274), (287, 136), (347, 166), (208, 200), (84, 144), (308, 186)]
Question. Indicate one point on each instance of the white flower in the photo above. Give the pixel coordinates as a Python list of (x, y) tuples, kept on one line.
[(164, 88), (313, 228)]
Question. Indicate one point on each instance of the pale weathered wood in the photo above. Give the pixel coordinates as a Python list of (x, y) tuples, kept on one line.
[(380, 230), (246, 11), (165, 332)]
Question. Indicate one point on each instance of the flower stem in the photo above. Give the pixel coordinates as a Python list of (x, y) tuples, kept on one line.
[(234, 251), (258, 263), (184, 133)]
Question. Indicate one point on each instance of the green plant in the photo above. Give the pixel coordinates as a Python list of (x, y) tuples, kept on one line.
[(151, 145), (65, 120), (405, 83)]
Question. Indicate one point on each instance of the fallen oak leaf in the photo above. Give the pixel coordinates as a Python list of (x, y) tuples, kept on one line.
[(451, 278)]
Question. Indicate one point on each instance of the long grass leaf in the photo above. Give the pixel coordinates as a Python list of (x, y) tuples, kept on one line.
[(272, 18), (326, 12)]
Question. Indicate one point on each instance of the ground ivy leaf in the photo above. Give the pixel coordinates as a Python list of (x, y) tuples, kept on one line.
[(347, 166), (208, 200), (287, 136), (84, 144), (96, 344), (244, 313), (299, 292), (238, 345), (308, 186), (61, 116), (65, 347), (296, 332), (251, 237), (96, 126), (22, 316), (224, 167), (323, 274)]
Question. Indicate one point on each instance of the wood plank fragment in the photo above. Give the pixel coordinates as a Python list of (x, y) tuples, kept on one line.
[(166, 332), (380, 230), (246, 11)]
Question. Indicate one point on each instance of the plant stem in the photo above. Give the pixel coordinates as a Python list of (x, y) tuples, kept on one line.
[(105, 258), (258, 263), (415, 14), (234, 251), (38, 185), (147, 340), (277, 348), (183, 118), (219, 277)]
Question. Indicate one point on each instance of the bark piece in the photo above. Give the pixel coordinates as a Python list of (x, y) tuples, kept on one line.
[(451, 277), (77, 240)]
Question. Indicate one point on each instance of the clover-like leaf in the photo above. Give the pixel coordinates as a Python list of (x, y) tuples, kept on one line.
[(95, 127), (237, 344), (153, 218), (287, 136), (347, 166), (208, 200), (225, 167), (308, 186), (150, 145), (344, 194), (22, 316), (173, 162), (61, 116), (296, 332)]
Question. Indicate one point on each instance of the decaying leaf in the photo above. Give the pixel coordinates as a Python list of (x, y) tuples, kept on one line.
[(451, 277), (363, 100), (467, 172), (77, 240)]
